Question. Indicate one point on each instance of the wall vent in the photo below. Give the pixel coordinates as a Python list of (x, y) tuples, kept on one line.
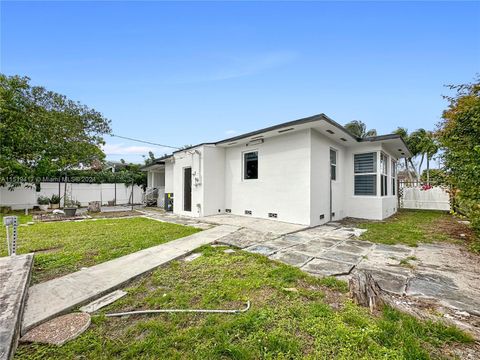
[(343, 139), (228, 210), (248, 212), (285, 130), (272, 215), (333, 214), (330, 132), (322, 216)]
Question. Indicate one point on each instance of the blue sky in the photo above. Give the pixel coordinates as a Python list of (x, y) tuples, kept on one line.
[(187, 72)]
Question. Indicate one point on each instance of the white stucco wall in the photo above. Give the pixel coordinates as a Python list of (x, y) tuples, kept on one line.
[(169, 177), (368, 207), (189, 158), (283, 184), (213, 180), (320, 180)]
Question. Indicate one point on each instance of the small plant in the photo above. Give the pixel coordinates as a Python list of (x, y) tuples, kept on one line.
[(43, 200), (55, 199)]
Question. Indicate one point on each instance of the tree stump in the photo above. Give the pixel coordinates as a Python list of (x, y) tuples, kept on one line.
[(365, 290)]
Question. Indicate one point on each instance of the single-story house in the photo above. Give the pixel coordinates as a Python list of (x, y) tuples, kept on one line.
[(308, 171)]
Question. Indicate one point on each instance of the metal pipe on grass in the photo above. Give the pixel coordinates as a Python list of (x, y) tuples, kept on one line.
[(208, 311)]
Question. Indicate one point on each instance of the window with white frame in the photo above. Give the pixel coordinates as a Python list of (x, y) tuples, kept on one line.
[(383, 174), (333, 164), (394, 177), (250, 165), (365, 170)]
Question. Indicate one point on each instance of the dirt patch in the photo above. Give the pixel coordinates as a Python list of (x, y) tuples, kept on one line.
[(451, 227), (48, 250), (115, 214)]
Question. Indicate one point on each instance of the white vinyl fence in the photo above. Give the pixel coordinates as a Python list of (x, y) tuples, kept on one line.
[(25, 197), (416, 196)]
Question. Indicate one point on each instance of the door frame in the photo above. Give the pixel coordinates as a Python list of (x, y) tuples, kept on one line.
[(185, 197)]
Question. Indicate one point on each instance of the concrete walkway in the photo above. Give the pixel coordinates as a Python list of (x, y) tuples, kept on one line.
[(14, 278), (57, 296)]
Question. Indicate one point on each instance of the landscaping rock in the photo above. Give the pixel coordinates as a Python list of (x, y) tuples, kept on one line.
[(59, 330), (262, 249), (228, 251)]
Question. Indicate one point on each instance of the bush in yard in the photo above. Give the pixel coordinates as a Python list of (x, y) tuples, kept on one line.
[(43, 200), (459, 136)]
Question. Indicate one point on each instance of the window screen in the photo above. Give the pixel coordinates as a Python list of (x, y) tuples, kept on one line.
[(384, 172), (250, 165), (333, 164), (365, 163), (365, 184), (365, 168), (394, 177)]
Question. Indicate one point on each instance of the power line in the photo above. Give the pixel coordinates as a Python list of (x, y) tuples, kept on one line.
[(145, 142)]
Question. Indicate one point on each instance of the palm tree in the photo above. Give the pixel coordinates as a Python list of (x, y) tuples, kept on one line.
[(403, 132), (359, 129)]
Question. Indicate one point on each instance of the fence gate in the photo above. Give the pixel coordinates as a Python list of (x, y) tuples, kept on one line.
[(419, 195)]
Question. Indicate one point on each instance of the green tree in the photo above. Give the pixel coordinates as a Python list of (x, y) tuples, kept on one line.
[(359, 129), (459, 136), (42, 131), (150, 159)]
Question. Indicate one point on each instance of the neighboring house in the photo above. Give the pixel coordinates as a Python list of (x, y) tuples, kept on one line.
[(308, 171)]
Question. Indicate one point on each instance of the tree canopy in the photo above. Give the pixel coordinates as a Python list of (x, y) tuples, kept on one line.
[(459, 136), (359, 129), (42, 131)]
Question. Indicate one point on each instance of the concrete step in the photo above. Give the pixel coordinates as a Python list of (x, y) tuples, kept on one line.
[(14, 281)]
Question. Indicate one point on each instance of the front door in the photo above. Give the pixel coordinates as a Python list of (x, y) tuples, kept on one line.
[(187, 189)]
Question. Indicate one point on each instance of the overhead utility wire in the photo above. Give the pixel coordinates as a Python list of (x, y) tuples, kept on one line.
[(145, 142)]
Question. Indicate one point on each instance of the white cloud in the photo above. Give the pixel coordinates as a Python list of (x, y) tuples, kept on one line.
[(231, 132), (121, 149)]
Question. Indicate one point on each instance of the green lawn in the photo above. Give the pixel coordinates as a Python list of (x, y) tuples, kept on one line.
[(65, 247), (411, 227), (22, 218), (293, 316)]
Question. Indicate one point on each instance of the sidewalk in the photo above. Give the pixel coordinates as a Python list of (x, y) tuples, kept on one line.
[(49, 299)]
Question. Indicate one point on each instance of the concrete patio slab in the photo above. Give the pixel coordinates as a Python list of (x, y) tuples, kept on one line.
[(352, 249), (341, 256), (314, 247), (57, 296), (262, 249), (392, 282), (14, 280), (261, 225), (326, 267), (246, 237), (291, 258)]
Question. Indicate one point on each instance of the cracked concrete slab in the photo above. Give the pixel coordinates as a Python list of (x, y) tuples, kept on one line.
[(341, 256), (314, 247), (291, 257), (15, 274), (326, 267), (262, 249), (246, 237)]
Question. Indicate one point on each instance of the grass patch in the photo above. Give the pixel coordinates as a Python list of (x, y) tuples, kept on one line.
[(65, 247), (22, 218), (409, 227), (280, 324)]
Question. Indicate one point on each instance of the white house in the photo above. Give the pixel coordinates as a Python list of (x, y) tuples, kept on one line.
[(308, 171)]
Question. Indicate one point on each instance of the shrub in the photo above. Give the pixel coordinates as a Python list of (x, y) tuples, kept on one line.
[(43, 200), (55, 199)]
